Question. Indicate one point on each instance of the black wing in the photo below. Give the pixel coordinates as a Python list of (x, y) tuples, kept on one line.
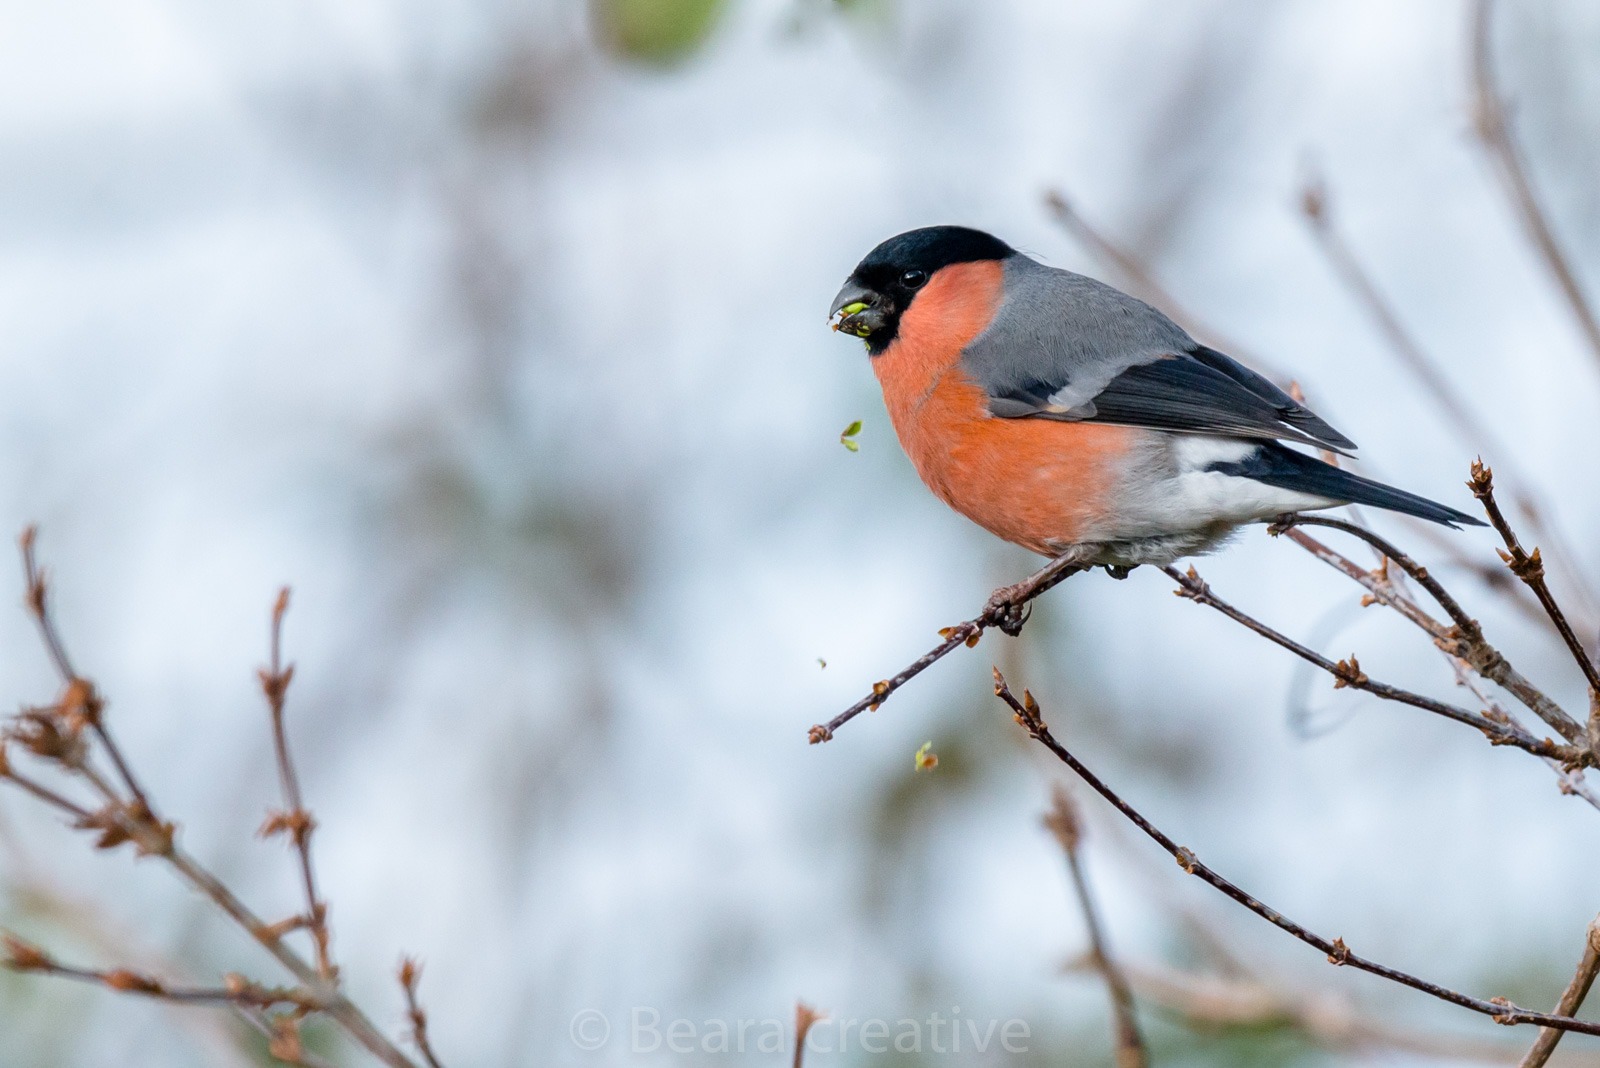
[(1200, 391), (1068, 347)]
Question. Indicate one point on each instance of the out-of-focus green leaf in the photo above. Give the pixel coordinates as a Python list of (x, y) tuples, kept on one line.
[(848, 438), (658, 32)]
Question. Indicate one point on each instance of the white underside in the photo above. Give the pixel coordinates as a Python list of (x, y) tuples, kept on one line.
[(1187, 509)]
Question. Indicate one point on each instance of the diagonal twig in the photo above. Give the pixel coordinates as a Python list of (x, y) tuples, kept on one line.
[(1473, 431), (60, 735), (1064, 822), (410, 974), (805, 1018), (1571, 999), (1529, 567), (90, 706), (1499, 1009), (1494, 129), (1144, 284), (40, 791), (1383, 589), (1466, 640), (297, 822), (20, 955), (1006, 609), (1207, 1002), (1349, 673)]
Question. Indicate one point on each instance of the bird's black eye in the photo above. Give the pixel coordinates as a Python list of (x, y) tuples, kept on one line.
[(913, 279)]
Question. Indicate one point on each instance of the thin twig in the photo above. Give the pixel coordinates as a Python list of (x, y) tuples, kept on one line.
[(1383, 589), (160, 840), (1571, 998), (1314, 205), (1327, 1018), (1494, 129), (1529, 567), (1143, 283), (34, 893), (297, 822), (1473, 431), (805, 1017), (1466, 640), (410, 975), (54, 735), (1065, 824), (1494, 578), (1005, 609), (1499, 1009), (1349, 673), (90, 705), (23, 956), (39, 791)]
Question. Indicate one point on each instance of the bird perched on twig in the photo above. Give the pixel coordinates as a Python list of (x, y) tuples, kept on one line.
[(1062, 414)]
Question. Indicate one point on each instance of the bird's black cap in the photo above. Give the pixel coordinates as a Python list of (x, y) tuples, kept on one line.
[(883, 285), (929, 249)]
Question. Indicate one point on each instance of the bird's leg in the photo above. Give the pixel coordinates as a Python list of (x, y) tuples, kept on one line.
[(1008, 606)]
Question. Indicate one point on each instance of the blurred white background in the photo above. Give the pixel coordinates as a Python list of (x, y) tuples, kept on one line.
[(500, 337)]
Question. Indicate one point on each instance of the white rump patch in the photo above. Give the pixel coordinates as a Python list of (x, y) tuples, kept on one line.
[(1199, 499)]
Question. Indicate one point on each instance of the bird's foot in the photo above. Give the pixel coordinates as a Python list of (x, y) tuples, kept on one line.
[(1004, 611)]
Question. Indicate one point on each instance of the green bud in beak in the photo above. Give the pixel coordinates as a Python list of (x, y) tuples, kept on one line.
[(857, 310)]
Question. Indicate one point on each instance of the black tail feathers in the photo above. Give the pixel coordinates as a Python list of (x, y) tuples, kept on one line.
[(1275, 465)]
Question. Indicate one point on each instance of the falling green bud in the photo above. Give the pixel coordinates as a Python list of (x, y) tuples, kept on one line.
[(847, 439), (926, 759)]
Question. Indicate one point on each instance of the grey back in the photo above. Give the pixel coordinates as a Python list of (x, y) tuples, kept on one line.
[(1063, 336)]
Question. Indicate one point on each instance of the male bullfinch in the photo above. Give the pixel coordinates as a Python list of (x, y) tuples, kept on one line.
[(1060, 413)]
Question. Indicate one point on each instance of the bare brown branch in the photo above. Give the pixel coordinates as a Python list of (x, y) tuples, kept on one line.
[(1529, 567), (1348, 673), (1383, 589), (297, 821), (1338, 953), (805, 1017), (410, 975), (273, 1028), (1326, 1017), (1494, 129), (1065, 823), (86, 703), (23, 956), (1473, 432), (1571, 998), (1139, 279), (60, 736), (1006, 609), (43, 793), (1466, 640)]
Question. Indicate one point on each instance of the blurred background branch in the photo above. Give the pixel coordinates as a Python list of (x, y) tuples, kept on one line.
[(1493, 126), (66, 738)]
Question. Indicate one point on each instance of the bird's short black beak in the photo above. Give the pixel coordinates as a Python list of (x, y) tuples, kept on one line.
[(859, 310)]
